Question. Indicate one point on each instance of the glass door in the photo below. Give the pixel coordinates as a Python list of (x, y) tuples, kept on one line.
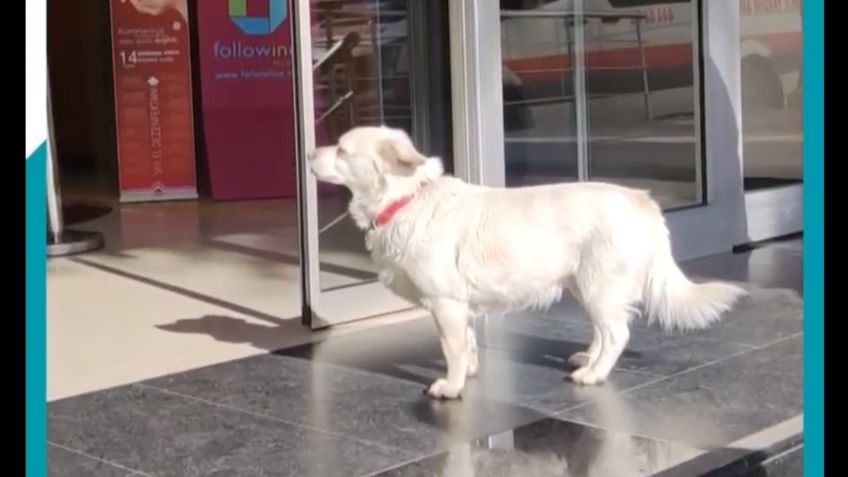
[(642, 93), (772, 98), (365, 62)]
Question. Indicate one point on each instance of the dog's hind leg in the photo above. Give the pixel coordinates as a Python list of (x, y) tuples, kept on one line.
[(473, 359), (583, 358), (615, 334), (452, 320), (609, 304)]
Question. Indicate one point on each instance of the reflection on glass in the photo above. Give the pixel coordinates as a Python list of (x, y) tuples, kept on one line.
[(375, 62), (772, 97), (633, 76), (538, 93), (641, 99)]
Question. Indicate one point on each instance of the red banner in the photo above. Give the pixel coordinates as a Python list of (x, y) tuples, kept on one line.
[(245, 58), (153, 104)]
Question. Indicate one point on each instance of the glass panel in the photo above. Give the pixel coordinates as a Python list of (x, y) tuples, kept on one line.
[(538, 93), (772, 98), (629, 66), (376, 62), (641, 98)]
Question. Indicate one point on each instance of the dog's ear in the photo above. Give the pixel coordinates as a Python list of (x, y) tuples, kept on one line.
[(400, 151)]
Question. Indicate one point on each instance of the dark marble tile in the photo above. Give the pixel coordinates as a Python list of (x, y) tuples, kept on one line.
[(550, 448), (771, 266), (550, 340), (648, 351), (711, 406), (531, 372), (764, 316), (780, 458), (165, 435), (787, 464), (420, 327), (65, 463), (370, 386), (536, 377), (351, 402)]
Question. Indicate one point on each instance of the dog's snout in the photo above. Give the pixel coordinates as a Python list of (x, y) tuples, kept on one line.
[(318, 152)]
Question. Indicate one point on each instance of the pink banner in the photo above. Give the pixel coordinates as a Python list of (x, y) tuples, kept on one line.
[(245, 52)]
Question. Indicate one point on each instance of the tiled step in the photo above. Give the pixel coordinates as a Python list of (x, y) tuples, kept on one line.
[(784, 459), (787, 464)]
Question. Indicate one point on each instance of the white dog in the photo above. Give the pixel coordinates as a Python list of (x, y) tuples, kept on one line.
[(463, 250)]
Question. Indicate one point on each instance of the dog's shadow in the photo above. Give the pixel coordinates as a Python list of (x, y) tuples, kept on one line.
[(366, 350), (408, 355), (228, 329)]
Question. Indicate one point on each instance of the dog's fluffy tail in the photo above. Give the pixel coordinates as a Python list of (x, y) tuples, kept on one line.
[(675, 302)]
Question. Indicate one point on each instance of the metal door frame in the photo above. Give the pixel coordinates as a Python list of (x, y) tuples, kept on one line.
[(477, 134), (725, 219)]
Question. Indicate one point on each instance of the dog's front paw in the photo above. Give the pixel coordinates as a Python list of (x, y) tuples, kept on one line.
[(579, 359), (473, 365), (587, 377), (441, 389)]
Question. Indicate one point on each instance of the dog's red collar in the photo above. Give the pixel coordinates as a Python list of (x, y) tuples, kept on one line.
[(390, 210)]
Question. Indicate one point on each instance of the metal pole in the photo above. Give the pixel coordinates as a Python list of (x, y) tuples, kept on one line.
[(55, 222), (646, 88), (580, 100), (59, 240), (378, 49)]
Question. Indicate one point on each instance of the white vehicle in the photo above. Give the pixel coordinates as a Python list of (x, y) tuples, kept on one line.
[(632, 47), (626, 38)]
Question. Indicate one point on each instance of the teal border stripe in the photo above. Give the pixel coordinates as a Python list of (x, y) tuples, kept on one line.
[(36, 303), (813, 26)]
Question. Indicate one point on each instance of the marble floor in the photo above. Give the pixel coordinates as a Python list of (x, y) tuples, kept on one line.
[(724, 401), (174, 274)]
